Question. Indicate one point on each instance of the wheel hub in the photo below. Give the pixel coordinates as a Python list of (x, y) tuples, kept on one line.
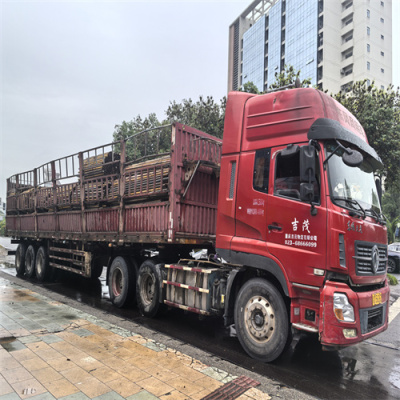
[(259, 318)]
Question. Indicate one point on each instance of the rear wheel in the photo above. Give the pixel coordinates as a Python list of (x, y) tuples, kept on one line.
[(20, 259), (42, 267), (30, 257), (261, 320), (391, 266), (148, 289), (121, 282)]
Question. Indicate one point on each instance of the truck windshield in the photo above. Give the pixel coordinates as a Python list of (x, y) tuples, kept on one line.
[(353, 188)]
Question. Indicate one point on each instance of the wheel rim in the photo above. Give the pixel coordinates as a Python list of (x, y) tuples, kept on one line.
[(259, 317), (391, 265), (117, 282), (18, 260), (147, 289)]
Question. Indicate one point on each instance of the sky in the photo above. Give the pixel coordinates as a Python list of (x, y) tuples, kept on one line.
[(71, 70)]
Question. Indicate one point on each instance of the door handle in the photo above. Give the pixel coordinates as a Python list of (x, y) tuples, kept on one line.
[(274, 227)]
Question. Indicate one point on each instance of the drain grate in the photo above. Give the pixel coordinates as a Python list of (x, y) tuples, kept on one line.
[(233, 389)]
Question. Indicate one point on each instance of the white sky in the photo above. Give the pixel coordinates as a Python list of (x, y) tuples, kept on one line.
[(71, 70)]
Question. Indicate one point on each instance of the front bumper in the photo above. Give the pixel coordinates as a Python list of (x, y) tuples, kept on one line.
[(370, 318)]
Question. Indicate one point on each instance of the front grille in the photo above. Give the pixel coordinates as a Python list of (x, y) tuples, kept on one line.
[(363, 258), (372, 318)]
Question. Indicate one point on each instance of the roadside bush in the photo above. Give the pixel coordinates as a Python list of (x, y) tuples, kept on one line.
[(392, 280), (2, 227)]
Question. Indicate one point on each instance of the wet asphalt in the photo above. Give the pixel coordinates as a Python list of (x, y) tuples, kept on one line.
[(369, 370)]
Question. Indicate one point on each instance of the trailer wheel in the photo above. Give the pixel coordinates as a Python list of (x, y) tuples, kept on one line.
[(30, 257), (391, 266), (148, 289), (121, 282), (20, 259), (261, 320), (42, 267)]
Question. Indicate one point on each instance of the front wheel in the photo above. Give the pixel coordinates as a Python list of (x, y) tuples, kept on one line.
[(121, 282), (148, 289), (391, 266), (261, 320)]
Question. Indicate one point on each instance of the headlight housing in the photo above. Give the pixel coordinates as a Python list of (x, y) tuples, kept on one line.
[(343, 310)]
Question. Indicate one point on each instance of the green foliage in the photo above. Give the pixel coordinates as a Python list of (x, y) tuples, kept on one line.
[(3, 227), (378, 111), (391, 202), (392, 280), (288, 77), (391, 228), (147, 143), (249, 87), (204, 114)]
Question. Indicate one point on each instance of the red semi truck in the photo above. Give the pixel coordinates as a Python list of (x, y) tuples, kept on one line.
[(287, 210)]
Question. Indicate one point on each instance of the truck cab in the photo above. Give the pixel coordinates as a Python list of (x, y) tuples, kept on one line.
[(300, 208)]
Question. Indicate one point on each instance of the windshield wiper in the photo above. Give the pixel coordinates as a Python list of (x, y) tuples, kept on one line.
[(377, 216), (353, 203)]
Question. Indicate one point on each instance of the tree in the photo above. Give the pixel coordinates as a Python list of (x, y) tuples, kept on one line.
[(143, 144), (378, 111), (288, 77), (205, 114), (249, 87)]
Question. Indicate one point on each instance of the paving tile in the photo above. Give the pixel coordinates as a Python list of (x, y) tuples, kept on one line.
[(5, 388), (10, 396), (43, 396), (14, 345), (61, 388), (124, 387), (155, 386), (51, 339), (82, 332), (105, 374), (185, 386), (34, 363), (24, 354), (29, 339), (61, 364), (28, 388), (16, 375), (48, 354), (47, 374), (75, 396), (75, 374), (92, 387), (109, 396), (175, 395), (143, 395), (88, 363)]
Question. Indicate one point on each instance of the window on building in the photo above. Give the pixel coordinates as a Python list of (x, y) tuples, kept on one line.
[(368, 65), (368, 47), (368, 13), (382, 53), (261, 170), (382, 37), (368, 82), (382, 20), (382, 87), (382, 70), (368, 30), (382, 4)]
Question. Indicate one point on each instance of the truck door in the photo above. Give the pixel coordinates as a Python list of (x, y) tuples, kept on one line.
[(295, 236), (252, 193)]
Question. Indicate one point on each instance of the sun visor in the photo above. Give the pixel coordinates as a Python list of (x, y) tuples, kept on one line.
[(325, 129)]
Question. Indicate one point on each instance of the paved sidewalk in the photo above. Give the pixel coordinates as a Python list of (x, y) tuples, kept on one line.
[(53, 351)]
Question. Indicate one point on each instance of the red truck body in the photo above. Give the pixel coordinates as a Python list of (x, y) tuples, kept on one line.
[(297, 242)]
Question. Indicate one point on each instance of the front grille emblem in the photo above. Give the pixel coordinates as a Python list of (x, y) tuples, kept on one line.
[(375, 259)]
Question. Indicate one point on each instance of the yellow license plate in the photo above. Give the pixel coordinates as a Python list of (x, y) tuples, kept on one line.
[(376, 299)]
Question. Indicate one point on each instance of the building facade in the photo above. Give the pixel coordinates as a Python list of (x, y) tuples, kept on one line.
[(332, 42)]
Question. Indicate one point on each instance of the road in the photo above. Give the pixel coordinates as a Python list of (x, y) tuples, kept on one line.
[(369, 370)]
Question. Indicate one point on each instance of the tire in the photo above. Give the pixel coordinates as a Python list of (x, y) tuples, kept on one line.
[(261, 320), (42, 267), (121, 282), (30, 257), (20, 259), (148, 289), (392, 266)]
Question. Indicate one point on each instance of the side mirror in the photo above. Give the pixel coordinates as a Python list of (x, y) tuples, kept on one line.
[(352, 158), (378, 184)]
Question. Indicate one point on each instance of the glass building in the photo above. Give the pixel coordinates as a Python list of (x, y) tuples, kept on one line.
[(332, 43)]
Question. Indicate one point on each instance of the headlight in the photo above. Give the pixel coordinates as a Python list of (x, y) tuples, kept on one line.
[(343, 310)]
